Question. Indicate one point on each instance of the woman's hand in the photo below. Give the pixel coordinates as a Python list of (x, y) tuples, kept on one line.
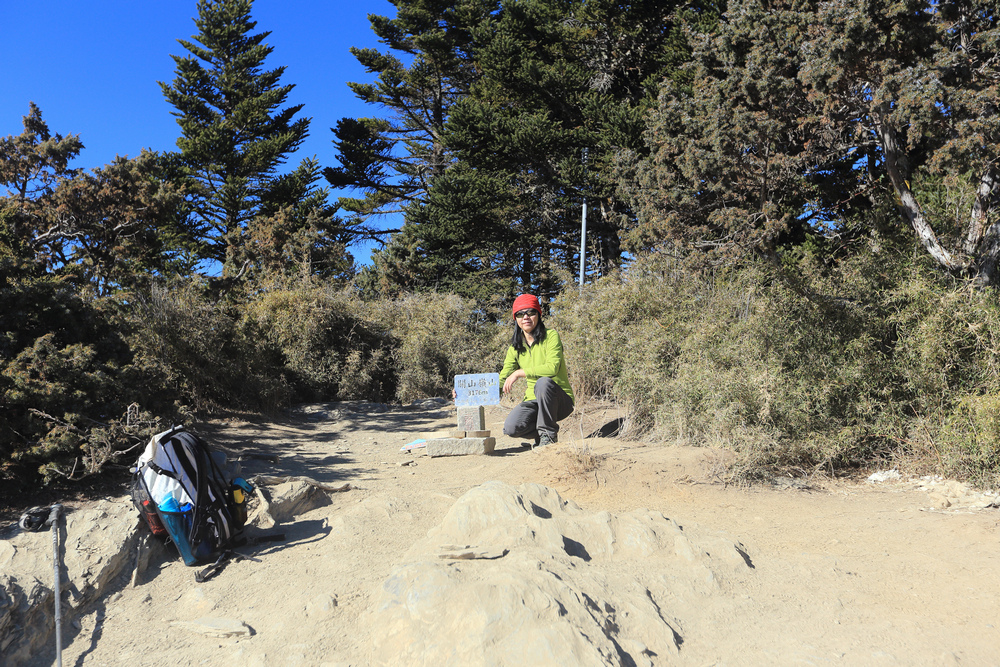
[(512, 378)]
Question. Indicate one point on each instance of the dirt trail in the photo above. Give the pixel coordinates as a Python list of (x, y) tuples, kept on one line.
[(840, 573)]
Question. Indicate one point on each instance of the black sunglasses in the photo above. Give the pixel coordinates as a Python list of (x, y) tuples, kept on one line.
[(525, 313)]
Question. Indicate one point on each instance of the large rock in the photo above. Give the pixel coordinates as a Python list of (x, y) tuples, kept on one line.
[(290, 499), (556, 585), (96, 545)]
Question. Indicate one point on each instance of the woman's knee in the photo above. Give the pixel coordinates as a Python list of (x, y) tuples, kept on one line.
[(544, 381), (521, 419), (513, 424), (544, 386)]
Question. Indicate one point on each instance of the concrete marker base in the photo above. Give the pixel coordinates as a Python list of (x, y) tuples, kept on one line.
[(460, 446)]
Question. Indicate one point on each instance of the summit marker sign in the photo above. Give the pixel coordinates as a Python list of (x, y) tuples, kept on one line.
[(477, 389)]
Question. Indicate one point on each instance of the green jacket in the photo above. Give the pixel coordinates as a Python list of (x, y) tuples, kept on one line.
[(543, 359)]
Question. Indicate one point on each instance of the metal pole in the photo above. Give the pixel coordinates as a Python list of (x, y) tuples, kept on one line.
[(583, 241), (54, 521), (583, 225), (32, 521)]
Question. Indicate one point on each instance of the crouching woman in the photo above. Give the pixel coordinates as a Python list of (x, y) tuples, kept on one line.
[(536, 354)]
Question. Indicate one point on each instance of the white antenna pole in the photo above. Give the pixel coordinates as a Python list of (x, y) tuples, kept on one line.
[(583, 240), (583, 226)]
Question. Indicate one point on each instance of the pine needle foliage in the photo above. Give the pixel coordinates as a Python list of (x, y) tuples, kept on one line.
[(235, 131)]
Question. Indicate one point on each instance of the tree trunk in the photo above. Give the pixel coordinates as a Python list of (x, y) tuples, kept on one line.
[(911, 208), (982, 240), (988, 256), (980, 213)]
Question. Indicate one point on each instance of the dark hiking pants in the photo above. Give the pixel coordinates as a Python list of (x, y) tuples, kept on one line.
[(532, 418)]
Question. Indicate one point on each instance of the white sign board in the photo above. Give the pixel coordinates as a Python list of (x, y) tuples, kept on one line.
[(477, 389)]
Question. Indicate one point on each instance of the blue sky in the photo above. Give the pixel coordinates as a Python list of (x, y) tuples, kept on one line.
[(92, 68)]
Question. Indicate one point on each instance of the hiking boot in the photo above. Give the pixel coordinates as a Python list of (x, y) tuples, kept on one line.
[(546, 439)]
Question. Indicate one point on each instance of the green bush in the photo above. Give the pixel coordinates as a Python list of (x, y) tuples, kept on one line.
[(66, 385)]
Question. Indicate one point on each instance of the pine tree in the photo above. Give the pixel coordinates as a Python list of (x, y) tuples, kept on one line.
[(105, 228), (114, 226), (393, 161), (538, 85), (235, 134), (807, 117), (304, 239), (562, 90), (32, 164)]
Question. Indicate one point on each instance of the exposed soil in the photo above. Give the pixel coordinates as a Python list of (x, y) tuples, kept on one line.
[(842, 572)]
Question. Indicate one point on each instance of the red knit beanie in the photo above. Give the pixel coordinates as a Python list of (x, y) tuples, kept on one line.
[(524, 302)]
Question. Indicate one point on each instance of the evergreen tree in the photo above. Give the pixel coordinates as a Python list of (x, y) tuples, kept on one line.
[(32, 164), (114, 226), (60, 355), (235, 134), (543, 83), (562, 90), (393, 161), (731, 147), (304, 239), (927, 92), (805, 117), (106, 228)]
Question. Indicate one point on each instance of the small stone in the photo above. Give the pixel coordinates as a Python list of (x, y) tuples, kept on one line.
[(295, 497), (474, 554), (195, 600), (956, 489)]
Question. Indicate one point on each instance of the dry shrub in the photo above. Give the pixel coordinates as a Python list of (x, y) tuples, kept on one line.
[(578, 463), (949, 352), (190, 346), (309, 343), (676, 350), (810, 366), (324, 343), (440, 336)]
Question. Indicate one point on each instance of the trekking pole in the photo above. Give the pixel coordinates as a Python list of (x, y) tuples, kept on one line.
[(53, 521), (33, 520)]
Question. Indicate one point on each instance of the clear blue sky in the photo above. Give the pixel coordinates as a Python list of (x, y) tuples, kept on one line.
[(92, 68)]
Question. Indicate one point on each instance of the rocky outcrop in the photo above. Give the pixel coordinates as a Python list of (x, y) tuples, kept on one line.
[(96, 546), (519, 575)]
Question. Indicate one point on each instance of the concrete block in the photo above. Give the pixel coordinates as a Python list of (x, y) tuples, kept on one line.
[(472, 418), (458, 434), (460, 446), (477, 434)]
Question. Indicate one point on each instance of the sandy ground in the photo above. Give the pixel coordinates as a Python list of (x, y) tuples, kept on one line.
[(845, 573)]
